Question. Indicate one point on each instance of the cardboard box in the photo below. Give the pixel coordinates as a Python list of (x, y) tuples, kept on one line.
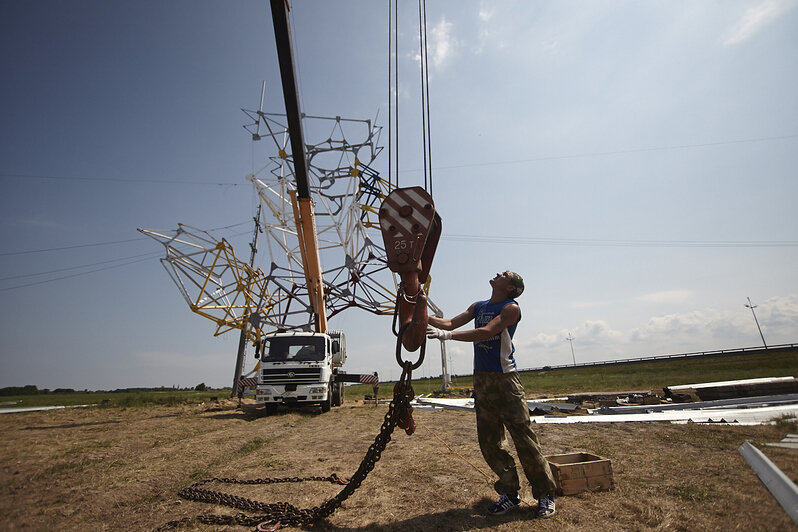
[(578, 472)]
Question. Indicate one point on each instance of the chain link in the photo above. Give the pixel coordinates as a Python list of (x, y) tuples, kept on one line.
[(283, 513)]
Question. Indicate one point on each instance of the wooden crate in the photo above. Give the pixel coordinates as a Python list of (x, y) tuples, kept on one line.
[(578, 472)]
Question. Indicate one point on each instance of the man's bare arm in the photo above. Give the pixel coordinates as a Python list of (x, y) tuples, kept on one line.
[(509, 316), (453, 323)]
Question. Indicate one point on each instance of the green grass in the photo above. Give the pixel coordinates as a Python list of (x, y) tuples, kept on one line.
[(115, 399), (638, 376), (655, 375), (251, 446)]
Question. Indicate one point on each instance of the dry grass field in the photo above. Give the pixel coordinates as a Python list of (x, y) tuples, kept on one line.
[(121, 469)]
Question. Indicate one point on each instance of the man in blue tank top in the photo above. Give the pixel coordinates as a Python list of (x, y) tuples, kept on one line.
[(499, 396)]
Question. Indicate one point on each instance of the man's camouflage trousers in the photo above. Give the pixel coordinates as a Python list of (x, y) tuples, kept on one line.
[(500, 402)]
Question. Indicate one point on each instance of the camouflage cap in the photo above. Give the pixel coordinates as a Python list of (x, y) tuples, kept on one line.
[(518, 283)]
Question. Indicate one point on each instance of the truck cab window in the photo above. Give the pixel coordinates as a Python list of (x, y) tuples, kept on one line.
[(299, 349), (306, 353)]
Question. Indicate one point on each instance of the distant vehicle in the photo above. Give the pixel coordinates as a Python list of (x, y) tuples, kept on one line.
[(303, 368)]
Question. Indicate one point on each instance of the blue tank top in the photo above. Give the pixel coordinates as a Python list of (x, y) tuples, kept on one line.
[(496, 353)]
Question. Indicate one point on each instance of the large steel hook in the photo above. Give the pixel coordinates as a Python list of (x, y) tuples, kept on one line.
[(410, 229)]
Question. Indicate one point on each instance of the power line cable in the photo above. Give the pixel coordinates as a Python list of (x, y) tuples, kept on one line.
[(445, 167), (390, 94), (115, 180), (142, 255), (396, 87), (618, 242), (612, 152), (424, 103), (425, 77), (139, 258), (63, 248), (552, 241), (73, 275)]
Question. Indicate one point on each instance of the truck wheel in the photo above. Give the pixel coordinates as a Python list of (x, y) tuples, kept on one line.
[(338, 394), (271, 409), (326, 405)]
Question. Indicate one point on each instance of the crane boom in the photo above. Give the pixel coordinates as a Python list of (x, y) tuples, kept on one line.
[(302, 202)]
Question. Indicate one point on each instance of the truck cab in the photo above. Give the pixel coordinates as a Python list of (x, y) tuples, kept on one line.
[(298, 368)]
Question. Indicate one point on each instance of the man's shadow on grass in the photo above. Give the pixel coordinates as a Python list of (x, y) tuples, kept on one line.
[(473, 518)]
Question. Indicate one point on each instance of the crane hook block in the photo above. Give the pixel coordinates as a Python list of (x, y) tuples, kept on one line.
[(407, 216), (410, 229)]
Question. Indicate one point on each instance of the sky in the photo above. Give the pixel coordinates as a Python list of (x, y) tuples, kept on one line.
[(634, 161)]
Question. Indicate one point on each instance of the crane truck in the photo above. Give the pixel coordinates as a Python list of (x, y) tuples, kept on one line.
[(298, 367), (304, 368)]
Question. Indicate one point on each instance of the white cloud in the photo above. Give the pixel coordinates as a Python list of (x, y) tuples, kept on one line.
[(707, 329), (545, 340), (756, 18), (672, 325), (487, 28), (460, 356), (442, 43), (710, 329), (598, 331), (588, 304), (550, 45), (666, 296), (486, 12), (779, 314), (591, 332)]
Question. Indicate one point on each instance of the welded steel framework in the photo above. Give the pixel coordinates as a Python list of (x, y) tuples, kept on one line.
[(214, 283), (347, 194)]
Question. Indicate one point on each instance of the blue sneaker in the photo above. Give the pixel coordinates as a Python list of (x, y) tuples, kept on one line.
[(505, 504), (545, 507)]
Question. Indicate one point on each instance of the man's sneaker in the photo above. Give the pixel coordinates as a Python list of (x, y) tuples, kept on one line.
[(545, 506), (504, 504)]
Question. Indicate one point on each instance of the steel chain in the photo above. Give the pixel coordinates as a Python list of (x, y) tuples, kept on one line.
[(283, 512)]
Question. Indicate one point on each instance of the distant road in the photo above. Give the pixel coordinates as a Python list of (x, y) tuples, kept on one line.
[(35, 408)]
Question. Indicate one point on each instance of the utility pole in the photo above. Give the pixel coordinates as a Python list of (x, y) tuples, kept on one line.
[(571, 341), (752, 307), (242, 341), (446, 380)]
